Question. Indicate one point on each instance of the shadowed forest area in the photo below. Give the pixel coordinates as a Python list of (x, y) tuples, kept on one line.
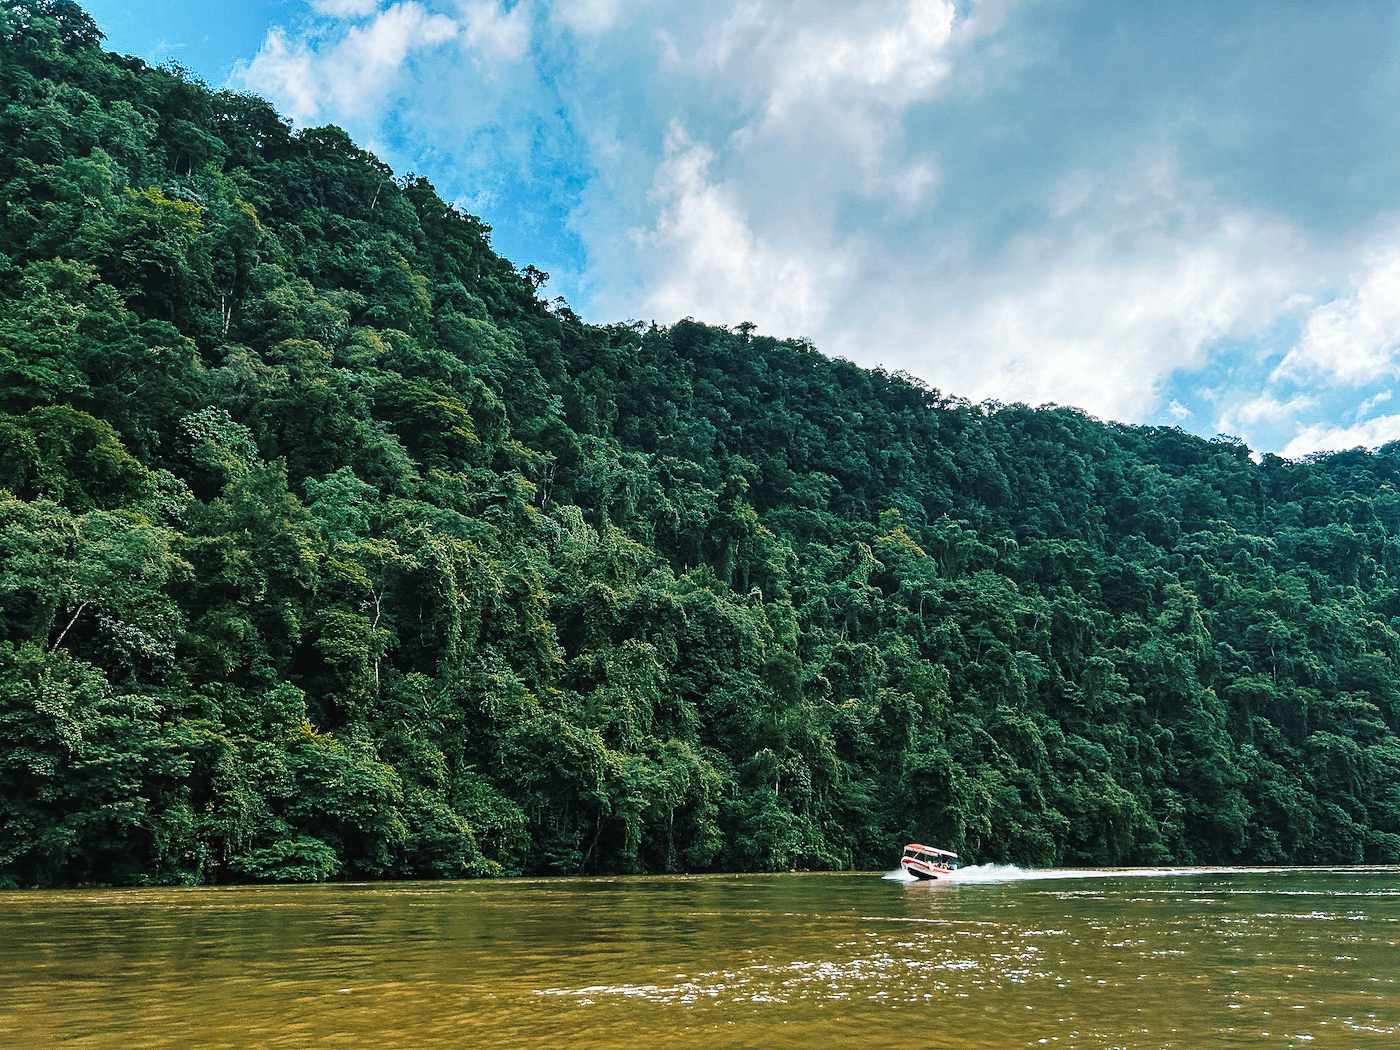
[(329, 548)]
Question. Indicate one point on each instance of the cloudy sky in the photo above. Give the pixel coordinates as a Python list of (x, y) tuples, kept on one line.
[(1178, 212)]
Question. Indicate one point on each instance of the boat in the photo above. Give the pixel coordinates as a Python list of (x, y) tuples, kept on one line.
[(926, 862)]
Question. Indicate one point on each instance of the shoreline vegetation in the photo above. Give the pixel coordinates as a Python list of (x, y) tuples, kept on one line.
[(330, 549)]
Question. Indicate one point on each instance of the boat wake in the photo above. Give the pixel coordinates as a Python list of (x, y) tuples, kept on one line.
[(975, 873), (991, 873), (1010, 873)]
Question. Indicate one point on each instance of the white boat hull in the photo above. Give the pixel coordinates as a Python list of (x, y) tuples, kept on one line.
[(924, 871)]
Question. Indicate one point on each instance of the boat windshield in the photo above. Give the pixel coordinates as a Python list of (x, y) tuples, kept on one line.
[(929, 853)]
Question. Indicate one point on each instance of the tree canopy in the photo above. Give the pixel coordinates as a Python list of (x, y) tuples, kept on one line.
[(329, 549)]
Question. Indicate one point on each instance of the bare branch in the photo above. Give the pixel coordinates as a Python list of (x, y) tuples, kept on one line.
[(64, 633)]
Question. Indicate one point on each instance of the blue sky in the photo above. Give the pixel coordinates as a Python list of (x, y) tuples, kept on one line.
[(1183, 213)]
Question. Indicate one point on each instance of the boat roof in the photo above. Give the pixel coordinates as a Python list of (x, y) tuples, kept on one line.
[(930, 849)]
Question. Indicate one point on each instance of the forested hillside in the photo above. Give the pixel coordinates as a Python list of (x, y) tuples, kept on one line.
[(330, 548)]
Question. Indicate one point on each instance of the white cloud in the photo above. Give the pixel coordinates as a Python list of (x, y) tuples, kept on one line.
[(287, 72), (1097, 331), (369, 55), (668, 52), (1096, 309), (826, 80), (1264, 408), (1323, 437), (588, 17), (494, 32), (712, 265), (745, 226), (782, 57), (983, 18), (310, 76), (1178, 411), (820, 90), (1364, 409), (1353, 340), (908, 186), (1347, 349), (346, 8), (867, 54)]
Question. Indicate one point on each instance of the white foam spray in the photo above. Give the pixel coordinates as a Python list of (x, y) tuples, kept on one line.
[(972, 873), (990, 873)]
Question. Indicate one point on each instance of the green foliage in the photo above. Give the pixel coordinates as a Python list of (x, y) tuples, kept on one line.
[(328, 549), (302, 859)]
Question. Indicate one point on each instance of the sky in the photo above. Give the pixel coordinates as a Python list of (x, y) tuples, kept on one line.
[(1179, 213)]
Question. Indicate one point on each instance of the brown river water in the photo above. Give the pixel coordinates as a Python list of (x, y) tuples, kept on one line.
[(995, 958)]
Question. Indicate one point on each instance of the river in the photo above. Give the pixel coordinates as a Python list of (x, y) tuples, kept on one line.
[(995, 958)]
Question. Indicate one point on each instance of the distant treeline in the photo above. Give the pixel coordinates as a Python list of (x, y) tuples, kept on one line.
[(328, 548)]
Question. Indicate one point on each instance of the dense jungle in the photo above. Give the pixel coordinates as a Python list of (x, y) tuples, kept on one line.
[(331, 547)]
